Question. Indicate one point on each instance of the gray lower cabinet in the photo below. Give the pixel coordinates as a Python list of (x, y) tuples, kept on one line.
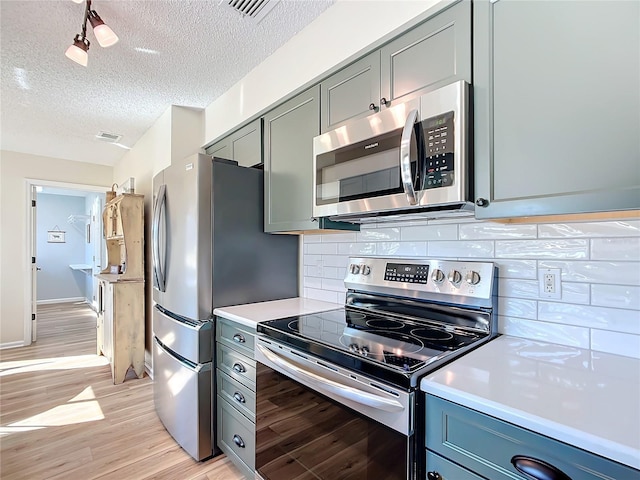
[(431, 55), (557, 107), (244, 145), (236, 397), (466, 444)]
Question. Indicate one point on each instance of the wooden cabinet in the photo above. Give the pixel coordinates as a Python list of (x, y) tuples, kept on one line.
[(466, 444), (120, 332), (121, 316), (236, 397), (123, 224), (557, 107), (244, 145), (431, 55)]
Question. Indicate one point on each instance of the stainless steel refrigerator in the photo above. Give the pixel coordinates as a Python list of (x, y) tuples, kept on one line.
[(209, 250)]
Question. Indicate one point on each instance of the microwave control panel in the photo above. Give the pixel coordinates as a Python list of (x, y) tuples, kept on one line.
[(439, 138)]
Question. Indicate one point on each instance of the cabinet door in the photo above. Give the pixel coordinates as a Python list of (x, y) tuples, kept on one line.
[(108, 326), (433, 54), (246, 144), (288, 162), (557, 107), (353, 92), (221, 149)]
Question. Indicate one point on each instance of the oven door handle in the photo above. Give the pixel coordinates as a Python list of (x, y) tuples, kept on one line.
[(321, 383), (405, 160)]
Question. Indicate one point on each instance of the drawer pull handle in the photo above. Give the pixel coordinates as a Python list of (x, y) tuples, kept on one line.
[(537, 469), (238, 338), (239, 397), (238, 367), (237, 439)]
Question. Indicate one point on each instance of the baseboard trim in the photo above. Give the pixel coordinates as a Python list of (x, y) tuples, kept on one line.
[(62, 300), (12, 345)]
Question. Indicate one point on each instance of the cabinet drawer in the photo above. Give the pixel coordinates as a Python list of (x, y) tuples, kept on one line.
[(447, 470), (237, 394), (235, 335), (486, 446), (236, 365), (236, 434)]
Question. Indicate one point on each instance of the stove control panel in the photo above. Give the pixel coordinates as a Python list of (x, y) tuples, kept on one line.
[(427, 278)]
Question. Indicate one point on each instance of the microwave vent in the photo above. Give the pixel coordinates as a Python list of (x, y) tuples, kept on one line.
[(255, 10), (433, 212)]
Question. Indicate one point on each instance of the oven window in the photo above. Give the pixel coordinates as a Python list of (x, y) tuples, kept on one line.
[(301, 435)]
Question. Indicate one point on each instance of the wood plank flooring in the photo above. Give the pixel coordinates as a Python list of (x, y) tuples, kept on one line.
[(61, 417)]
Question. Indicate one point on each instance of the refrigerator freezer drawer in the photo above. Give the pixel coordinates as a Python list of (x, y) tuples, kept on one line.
[(193, 341), (182, 398)]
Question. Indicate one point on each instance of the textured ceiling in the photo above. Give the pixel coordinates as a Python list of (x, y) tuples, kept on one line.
[(170, 53)]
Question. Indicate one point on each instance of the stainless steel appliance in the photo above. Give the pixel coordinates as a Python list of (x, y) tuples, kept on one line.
[(209, 250), (337, 391), (412, 158)]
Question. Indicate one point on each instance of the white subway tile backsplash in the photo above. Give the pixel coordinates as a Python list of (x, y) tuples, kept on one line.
[(526, 269), (616, 249), (613, 319), (615, 273), (404, 249), (430, 232), (599, 261), (493, 231), (379, 235), (614, 342), (517, 307), (321, 248), (619, 296), (576, 249), (357, 248), (590, 229), (460, 249), (545, 332)]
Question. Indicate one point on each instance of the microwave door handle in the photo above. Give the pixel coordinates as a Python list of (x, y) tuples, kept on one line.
[(405, 160)]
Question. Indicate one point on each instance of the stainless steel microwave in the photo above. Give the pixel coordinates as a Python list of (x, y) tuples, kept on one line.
[(409, 159)]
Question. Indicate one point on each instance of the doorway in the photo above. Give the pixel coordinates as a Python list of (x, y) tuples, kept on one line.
[(66, 236)]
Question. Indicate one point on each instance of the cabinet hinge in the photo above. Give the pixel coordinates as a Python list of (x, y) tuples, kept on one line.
[(33, 259), (33, 316), (33, 203)]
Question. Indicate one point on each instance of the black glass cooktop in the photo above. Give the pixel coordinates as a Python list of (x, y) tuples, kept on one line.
[(402, 345)]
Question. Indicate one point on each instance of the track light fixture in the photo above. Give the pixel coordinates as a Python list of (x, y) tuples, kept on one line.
[(78, 51)]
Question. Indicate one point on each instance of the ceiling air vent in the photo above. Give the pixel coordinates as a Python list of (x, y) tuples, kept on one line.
[(109, 137), (256, 10)]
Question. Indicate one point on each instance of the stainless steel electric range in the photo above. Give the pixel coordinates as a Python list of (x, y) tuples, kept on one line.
[(337, 391)]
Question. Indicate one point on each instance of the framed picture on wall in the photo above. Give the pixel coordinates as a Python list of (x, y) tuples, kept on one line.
[(56, 236)]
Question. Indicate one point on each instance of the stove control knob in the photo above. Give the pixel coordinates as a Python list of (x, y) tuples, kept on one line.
[(355, 269), (455, 277), (365, 269), (354, 348), (437, 276), (472, 278), (364, 351)]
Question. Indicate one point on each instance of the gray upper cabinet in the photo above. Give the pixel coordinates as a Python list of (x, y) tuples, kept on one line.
[(244, 145), (433, 54), (288, 162), (353, 92), (557, 107)]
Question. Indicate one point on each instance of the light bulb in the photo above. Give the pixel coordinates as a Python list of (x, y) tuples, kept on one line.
[(105, 36), (78, 51)]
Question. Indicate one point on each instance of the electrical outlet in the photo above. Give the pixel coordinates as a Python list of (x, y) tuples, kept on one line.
[(549, 279)]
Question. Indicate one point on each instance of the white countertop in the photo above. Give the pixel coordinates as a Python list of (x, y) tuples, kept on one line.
[(584, 398), (252, 313)]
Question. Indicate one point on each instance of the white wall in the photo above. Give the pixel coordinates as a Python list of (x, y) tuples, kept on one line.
[(599, 261), (15, 168)]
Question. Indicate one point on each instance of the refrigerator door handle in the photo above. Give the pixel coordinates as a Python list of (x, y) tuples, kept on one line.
[(158, 273)]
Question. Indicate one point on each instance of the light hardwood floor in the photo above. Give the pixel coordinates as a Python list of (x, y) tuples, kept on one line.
[(61, 417)]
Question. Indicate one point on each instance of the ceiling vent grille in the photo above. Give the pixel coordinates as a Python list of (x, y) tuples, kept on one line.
[(109, 137), (256, 10)]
